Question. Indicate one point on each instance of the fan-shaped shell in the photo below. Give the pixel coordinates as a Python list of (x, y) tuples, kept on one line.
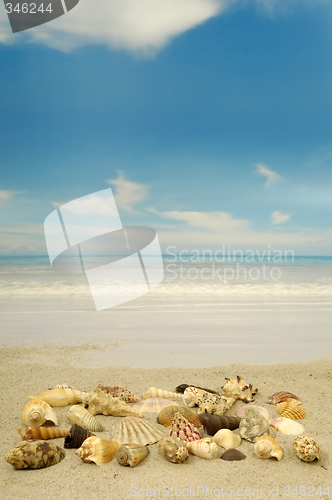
[(193, 396), (153, 405), (59, 397), (35, 455), (118, 391), (204, 448), (152, 392), (291, 410), (173, 449), (280, 397), (135, 430), (166, 415), (183, 429), (232, 454), (287, 426), (306, 448), (38, 412), (227, 439), (34, 432), (241, 411), (267, 447), (213, 423), (131, 454), (76, 436), (97, 450), (79, 415), (253, 425)]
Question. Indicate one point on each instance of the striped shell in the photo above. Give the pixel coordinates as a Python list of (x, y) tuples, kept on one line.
[(153, 405), (59, 397), (97, 450), (281, 397), (131, 454), (35, 455), (241, 411), (135, 430), (118, 391), (79, 415), (183, 429), (38, 412), (166, 416), (287, 426), (267, 447), (34, 432), (152, 392), (204, 448), (291, 410), (173, 449), (306, 448)]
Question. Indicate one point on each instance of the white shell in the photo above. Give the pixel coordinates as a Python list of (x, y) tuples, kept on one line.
[(241, 411), (37, 412), (204, 448), (79, 415), (193, 396), (227, 439), (152, 392), (153, 405), (135, 430), (287, 426)]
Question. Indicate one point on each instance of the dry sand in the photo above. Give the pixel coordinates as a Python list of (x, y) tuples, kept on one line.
[(27, 371)]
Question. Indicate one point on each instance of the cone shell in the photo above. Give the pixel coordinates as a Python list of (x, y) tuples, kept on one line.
[(59, 397), (281, 397), (131, 454), (231, 455), (166, 416), (237, 388), (253, 425), (154, 405), (43, 433), (76, 436), (37, 412), (213, 423), (152, 392), (79, 415), (287, 426), (181, 388), (135, 430), (227, 439), (306, 448), (35, 455), (290, 409), (97, 450), (183, 429), (173, 449), (118, 391), (267, 447), (241, 411), (204, 448), (101, 403), (193, 396)]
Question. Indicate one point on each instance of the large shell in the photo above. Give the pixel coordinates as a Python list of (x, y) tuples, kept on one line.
[(153, 405), (267, 447), (241, 411), (131, 454), (118, 391), (193, 396), (173, 449), (135, 430), (216, 405), (232, 454), (34, 432), (101, 403), (37, 412), (60, 397), (181, 388), (166, 415), (237, 388), (97, 450), (35, 455), (306, 448), (79, 415), (290, 409), (287, 426), (183, 429), (76, 436), (204, 448), (280, 397), (152, 392), (227, 439), (253, 425), (213, 423)]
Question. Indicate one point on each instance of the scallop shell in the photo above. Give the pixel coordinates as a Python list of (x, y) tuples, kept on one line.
[(35, 455), (38, 412), (213, 423), (267, 447), (101, 403), (237, 388), (152, 392), (241, 411), (183, 429), (204, 448), (79, 415), (153, 405), (280, 397), (290, 409), (59, 397), (193, 396), (76, 436), (227, 439), (34, 432), (173, 449), (135, 430), (131, 454), (118, 391), (306, 448), (166, 415), (287, 426), (231, 455), (97, 450), (253, 425)]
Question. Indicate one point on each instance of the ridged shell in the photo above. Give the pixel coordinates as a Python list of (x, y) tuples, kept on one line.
[(281, 397), (291, 410), (59, 397), (43, 433), (183, 429), (181, 388), (131, 454), (237, 388), (153, 405), (204, 448), (97, 450), (166, 416), (118, 391), (306, 448), (287, 426), (101, 403), (173, 449), (135, 430), (213, 423), (152, 392), (76, 436), (38, 412), (231, 455), (227, 439), (193, 396), (79, 415), (267, 447), (253, 425), (35, 455), (241, 411)]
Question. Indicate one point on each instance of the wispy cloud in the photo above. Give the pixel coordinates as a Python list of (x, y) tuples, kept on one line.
[(5, 196), (210, 221), (280, 218), (128, 193), (271, 176)]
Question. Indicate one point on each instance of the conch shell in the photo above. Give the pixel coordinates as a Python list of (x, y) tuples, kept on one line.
[(267, 447), (34, 432), (204, 448), (193, 396), (152, 392), (35, 455), (216, 405), (135, 430), (281, 397), (131, 454), (38, 412), (173, 449), (97, 450), (120, 392), (237, 388), (76, 436), (60, 397), (213, 423), (227, 439), (101, 403), (253, 425), (287, 426), (290, 409), (306, 448), (183, 429), (79, 415), (165, 417)]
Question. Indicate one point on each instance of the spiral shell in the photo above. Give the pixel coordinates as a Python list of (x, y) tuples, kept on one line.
[(135, 430), (204, 448), (183, 429), (281, 397), (287, 426), (173, 449), (118, 391), (76, 436), (131, 454), (34, 432), (38, 412), (241, 411), (59, 397), (193, 396), (306, 448), (267, 447), (79, 415), (152, 392), (290, 409), (237, 388), (97, 450), (35, 455), (253, 425), (227, 439), (154, 405), (165, 417), (213, 423)]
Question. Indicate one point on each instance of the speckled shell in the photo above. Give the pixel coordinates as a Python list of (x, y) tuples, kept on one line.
[(35, 455), (101, 403), (213, 423), (76, 436), (79, 415), (237, 388), (281, 397), (153, 405), (241, 411), (287, 426), (182, 429), (267, 447), (193, 396), (131, 454), (290, 409), (253, 425), (43, 433), (118, 391), (181, 388), (135, 430), (165, 417), (227, 439), (152, 392), (59, 397), (37, 412), (173, 449), (204, 448), (97, 450), (216, 405), (306, 448)]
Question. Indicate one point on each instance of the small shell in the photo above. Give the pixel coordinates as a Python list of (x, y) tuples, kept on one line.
[(152, 392), (38, 412), (97, 450), (173, 449), (101, 403), (237, 388), (183, 429), (204, 448), (135, 430), (287, 426), (231, 455), (34, 432), (241, 411), (193, 396), (227, 439), (280, 397), (267, 447), (79, 415), (118, 391), (181, 388), (76, 436), (153, 405), (131, 454), (62, 386), (213, 423), (306, 448), (59, 397), (253, 425), (35, 455), (290, 409), (216, 405), (165, 417)]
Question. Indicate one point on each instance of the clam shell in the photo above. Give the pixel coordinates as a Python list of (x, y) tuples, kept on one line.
[(181, 388), (165, 417), (153, 405), (43, 433), (241, 411), (267, 447), (306, 448), (118, 391), (35, 455), (280, 397), (231, 455), (173, 449), (193, 396), (183, 429), (152, 392), (287, 426), (237, 388), (135, 430), (290, 409), (253, 425), (76, 436), (227, 439), (131, 454), (213, 423), (59, 397), (204, 448), (79, 415), (37, 412), (97, 450)]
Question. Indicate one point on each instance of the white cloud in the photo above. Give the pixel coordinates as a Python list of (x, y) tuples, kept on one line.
[(271, 176), (127, 193), (211, 221), (5, 196), (279, 217)]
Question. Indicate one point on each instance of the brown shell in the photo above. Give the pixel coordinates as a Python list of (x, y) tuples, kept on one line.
[(35, 455), (118, 391), (306, 448), (281, 397), (76, 436), (131, 454), (290, 409), (233, 454), (165, 417), (181, 388), (34, 432), (213, 423)]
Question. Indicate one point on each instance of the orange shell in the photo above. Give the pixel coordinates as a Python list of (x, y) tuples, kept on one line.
[(166, 416), (281, 397), (291, 410)]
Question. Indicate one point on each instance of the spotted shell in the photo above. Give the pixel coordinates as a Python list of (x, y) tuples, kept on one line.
[(153, 405), (118, 391), (135, 430), (59, 397), (34, 432), (267, 447), (193, 396), (38, 412), (183, 429), (165, 417), (98, 450), (280, 397), (241, 411), (204, 448), (306, 448), (173, 449), (291, 410), (227, 439), (131, 454), (287, 426), (253, 425), (79, 415), (35, 455)]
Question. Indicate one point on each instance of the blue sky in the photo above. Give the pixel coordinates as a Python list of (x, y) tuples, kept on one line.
[(211, 120)]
